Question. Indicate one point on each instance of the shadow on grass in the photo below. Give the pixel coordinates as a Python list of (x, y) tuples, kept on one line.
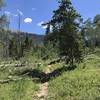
[(59, 71), (42, 77)]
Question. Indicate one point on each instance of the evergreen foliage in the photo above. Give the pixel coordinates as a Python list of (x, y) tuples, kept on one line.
[(65, 27), (18, 49)]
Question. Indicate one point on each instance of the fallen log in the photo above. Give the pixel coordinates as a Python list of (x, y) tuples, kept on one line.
[(54, 61), (20, 65), (15, 65), (9, 80), (4, 81), (57, 60)]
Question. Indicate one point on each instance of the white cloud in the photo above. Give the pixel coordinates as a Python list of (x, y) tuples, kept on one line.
[(45, 26), (7, 13), (28, 20), (20, 12), (10, 14), (40, 23)]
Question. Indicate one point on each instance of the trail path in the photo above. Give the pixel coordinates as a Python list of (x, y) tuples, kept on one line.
[(43, 91)]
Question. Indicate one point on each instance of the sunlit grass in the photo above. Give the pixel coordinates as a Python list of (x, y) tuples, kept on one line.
[(21, 90), (83, 83)]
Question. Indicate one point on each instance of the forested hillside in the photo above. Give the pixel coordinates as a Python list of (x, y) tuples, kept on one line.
[(8, 34)]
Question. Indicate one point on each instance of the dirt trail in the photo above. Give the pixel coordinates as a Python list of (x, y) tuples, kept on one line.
[(43, 91)]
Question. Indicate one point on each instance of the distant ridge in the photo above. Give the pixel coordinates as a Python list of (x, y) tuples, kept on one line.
[(5, 35)]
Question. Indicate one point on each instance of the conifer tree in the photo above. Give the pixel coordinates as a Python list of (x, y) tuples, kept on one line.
[(65, 27), (13, 51)]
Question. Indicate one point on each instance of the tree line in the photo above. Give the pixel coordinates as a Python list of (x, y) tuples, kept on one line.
[(14, 44), (66, 34)]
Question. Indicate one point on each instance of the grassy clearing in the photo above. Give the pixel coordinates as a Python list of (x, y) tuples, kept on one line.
[(20, 90), (76, 85), (23, 89), (83, 83)]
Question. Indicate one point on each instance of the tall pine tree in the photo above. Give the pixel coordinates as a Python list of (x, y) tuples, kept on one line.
[(65, 27)]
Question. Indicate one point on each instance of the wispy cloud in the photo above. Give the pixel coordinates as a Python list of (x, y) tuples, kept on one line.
[(40, 23), (20, 12), (44, 27), (10, 14), (28, 20), (7, 13)]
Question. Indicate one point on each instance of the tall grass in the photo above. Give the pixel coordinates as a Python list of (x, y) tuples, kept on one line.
[(21, 90), (83, 83)]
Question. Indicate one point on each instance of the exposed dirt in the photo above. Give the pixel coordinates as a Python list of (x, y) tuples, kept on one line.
[(43, 91)]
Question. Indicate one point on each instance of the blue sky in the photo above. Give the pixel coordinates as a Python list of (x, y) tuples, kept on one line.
[(35, 12)]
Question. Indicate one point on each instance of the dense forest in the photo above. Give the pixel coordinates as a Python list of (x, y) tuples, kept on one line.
[(63, 64)]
